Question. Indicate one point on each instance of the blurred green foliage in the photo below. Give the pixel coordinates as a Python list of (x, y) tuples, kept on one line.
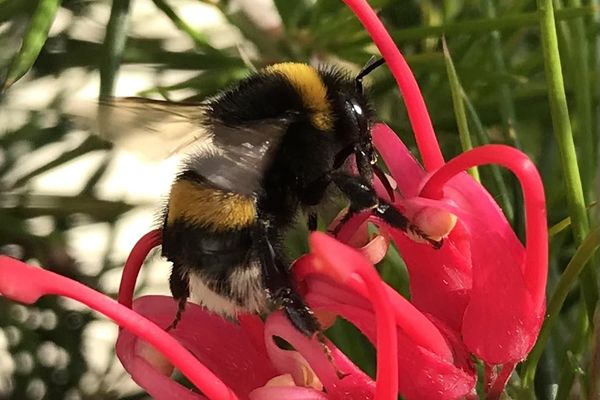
[(497, 71)]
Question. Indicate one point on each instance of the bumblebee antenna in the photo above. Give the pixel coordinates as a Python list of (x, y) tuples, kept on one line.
[(372, 64)]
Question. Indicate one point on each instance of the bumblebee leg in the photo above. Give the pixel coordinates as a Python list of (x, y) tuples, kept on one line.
[(278, 284), (362, 197), (359, 193), (312, 221), (180, 291)]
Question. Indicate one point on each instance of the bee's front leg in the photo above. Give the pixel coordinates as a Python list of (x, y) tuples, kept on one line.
[(362, 197)]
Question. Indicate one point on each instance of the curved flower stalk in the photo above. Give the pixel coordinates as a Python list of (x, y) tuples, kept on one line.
[(244, 355)]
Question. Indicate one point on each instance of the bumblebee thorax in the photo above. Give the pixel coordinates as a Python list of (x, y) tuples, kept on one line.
[(307, 81)]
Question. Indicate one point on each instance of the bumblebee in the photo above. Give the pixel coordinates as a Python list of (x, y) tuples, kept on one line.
[(256, 155)]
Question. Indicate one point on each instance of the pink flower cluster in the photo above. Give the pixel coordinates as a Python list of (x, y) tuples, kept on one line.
[(481, 295)]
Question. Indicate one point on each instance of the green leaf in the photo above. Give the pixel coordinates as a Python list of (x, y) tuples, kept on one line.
[(485, 25), (292, 11), (32, 205), (90, 144), (200, 40), (9, 9), (33, 41)]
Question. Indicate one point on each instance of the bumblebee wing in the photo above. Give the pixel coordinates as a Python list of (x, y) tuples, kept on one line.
[(233, 157), (244, 152), (153, 129)]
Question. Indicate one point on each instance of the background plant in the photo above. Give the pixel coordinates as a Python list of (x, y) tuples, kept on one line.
[(524, 73)]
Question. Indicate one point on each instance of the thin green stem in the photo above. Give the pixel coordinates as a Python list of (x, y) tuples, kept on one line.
[(564, 223), (114, 44), (566, 146), (583, 99), (594, 374), (564, 286), (483, 138), (459, 108), (200, 40), (507, 106), (571, 365)]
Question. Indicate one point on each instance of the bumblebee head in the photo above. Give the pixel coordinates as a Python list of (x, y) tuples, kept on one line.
[(358, 118)]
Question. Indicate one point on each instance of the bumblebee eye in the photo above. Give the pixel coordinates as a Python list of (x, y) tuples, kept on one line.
[(356, 112)]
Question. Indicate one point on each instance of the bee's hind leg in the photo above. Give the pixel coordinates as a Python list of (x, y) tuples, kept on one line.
[(278, 284), (180, 290)]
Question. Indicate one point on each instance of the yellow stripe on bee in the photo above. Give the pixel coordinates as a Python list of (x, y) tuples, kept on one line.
[(306, 80), (208, 207)]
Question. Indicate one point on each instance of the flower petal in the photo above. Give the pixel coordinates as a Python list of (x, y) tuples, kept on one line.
[(329, 252), (422, 373), (404, 168), (146, 375), (506, 308), (222, 346), (355, 385), (287, 393)]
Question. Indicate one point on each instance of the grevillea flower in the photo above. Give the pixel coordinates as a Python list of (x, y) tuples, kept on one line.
[(483, 289)]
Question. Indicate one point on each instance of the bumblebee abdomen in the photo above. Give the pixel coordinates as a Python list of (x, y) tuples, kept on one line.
[(205, 226), (198, 203), (207, 234)]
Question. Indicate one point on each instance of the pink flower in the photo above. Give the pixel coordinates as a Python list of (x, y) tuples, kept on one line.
[(483, 283)]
